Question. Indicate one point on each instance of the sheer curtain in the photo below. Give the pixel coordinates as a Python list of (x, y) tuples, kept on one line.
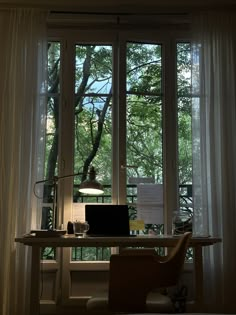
[(22, 66), (214, 151)]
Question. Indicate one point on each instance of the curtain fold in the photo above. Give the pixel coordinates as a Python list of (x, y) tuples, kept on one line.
[(214, 151), (22, 105)]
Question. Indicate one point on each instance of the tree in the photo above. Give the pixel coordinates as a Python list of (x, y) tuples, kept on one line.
[(93, 109)]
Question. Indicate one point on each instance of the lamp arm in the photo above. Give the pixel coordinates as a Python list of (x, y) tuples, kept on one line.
[(70, 175), (54, 182), (95, 188), (56, 178)]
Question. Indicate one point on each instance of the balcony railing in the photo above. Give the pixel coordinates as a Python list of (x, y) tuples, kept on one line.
[(98, 254)]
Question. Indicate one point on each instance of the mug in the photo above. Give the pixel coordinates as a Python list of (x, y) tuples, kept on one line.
[(80, 228)]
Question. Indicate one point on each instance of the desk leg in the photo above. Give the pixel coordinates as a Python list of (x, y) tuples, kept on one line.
[(35, 281), (198, 275)]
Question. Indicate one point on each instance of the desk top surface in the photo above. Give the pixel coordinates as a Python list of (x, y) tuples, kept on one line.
[(139, 240)]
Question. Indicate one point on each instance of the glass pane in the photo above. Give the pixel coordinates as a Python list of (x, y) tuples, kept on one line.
[(144, 123), (52, 109), (93, 112), (51, 143), (144, 69), (184, 99), (91, 254), (93, 129), (93, 69)]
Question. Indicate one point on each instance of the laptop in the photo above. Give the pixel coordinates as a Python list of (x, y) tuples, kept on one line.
[(107, 220)]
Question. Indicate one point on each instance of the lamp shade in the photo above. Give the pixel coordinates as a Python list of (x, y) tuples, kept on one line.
[(91, 186)]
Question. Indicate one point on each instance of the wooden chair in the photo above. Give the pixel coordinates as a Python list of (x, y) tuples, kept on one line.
[(136, 278)]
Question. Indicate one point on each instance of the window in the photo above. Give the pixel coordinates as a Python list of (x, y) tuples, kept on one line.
[(119, 101)]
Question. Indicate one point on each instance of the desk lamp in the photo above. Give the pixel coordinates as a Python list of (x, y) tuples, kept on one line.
[(90, 186)]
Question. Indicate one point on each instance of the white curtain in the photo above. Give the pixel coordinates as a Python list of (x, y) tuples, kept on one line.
[(214, 151), (22, 66)]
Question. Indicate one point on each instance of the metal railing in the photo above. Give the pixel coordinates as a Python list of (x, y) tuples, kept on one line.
[(103, 254)]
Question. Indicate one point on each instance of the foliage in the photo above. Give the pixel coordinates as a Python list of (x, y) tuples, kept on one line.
[(93, 110), (93, 106)]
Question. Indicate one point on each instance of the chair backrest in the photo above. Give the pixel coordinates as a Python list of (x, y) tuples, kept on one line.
[(172, 265), (135, 273)]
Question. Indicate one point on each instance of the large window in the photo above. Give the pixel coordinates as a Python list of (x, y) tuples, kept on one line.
[(121, 103)]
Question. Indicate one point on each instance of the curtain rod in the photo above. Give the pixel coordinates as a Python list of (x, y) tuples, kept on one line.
[(118, 13)]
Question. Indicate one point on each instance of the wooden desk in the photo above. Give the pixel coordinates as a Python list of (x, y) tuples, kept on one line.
[(140, 241)]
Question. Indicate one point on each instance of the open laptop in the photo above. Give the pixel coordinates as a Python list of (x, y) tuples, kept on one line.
[(107, 220)]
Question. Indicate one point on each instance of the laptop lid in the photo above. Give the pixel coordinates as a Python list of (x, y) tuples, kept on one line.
[(107, 220)]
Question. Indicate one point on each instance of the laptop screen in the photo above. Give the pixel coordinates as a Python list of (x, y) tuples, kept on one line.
[(107, 220)]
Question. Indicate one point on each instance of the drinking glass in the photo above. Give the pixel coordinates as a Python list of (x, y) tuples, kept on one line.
[(80, 228)]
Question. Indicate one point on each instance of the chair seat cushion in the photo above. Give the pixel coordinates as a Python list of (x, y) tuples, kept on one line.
[(155, 303), (159, 303), (98, 303)]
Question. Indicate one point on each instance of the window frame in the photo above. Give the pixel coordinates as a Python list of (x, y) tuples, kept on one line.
[(65, 165), (119, 37)]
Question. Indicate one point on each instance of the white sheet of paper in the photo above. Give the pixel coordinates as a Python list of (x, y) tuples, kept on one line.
[(150, 203)]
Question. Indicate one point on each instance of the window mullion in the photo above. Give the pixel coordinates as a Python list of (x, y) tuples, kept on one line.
[(66, 154), (170, 134), (66, 149), (122, 121), (115, 124)]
